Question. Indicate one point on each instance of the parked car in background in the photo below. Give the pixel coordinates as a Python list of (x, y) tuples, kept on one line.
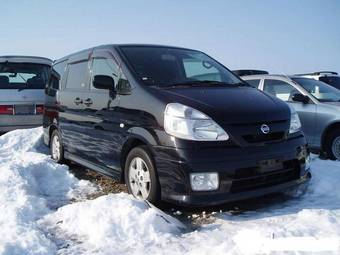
[(317, 104), (331, 78), (22, 84), (174, 124)]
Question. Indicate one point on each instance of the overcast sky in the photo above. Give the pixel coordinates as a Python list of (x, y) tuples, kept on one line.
[(289, 36)]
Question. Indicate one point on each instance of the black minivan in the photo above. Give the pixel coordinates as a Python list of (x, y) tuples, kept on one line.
[(173, 124)]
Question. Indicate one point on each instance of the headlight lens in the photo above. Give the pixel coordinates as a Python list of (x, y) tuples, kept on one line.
[(187, 123), (204, 181), (295, 124)]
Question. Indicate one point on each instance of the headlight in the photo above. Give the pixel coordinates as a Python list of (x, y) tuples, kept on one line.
[(204, 181), (187, 123), (295, 124)]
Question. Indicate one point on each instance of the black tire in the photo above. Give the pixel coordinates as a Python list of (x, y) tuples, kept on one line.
[(154, 189), (56, 137), (332, 138)]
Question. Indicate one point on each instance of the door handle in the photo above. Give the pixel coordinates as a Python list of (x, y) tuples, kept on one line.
[(88, 102), (78, 101)]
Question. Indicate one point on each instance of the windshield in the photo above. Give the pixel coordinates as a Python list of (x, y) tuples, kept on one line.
[(334, 81), (23, 76), (318, 89), (161, 66)]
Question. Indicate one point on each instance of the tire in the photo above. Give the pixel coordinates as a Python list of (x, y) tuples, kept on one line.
[(56, 147), (140, 175), (333, 145)]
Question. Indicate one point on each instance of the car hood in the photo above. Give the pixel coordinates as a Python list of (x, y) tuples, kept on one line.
[(231, 105)]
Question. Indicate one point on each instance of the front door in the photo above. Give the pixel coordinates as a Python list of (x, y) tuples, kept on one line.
[(104, 129)]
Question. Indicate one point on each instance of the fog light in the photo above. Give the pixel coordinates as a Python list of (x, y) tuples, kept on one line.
[(204, 181)]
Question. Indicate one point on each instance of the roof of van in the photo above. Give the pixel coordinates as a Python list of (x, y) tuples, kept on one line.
[(26, 59), (105, 46)]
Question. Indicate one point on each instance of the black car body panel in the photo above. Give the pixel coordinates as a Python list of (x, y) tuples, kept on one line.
[(98, 128)]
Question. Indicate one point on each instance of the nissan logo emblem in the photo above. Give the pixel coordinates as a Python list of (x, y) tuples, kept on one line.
[(265, 129)]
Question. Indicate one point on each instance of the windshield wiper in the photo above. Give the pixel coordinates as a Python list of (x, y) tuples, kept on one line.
[(204, 83)]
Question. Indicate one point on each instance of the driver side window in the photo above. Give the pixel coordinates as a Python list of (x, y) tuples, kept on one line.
[(105, 66), (280, 89)]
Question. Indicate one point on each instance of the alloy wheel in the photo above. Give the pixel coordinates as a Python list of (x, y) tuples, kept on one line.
[(139, 178)]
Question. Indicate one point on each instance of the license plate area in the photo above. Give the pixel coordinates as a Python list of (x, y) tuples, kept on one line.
[(270, 165), (24, 109)]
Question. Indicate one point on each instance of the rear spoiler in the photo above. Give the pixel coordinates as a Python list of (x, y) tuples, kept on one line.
[(319, 73)]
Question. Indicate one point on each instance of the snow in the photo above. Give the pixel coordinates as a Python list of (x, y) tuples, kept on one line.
[(37, 216)]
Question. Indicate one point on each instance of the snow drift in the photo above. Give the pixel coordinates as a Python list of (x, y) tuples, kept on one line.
[(36, 216)]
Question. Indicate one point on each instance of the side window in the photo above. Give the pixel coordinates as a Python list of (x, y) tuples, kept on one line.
[(77, 75), (57, 74), (254, 83), (200, 70), (105, 66), (280, 89)]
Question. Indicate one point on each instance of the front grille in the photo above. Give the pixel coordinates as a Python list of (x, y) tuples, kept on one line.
[(259, 138), (252, 178)]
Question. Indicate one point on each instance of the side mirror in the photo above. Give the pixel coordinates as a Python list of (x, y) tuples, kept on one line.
[(103, 82), (300, 98)]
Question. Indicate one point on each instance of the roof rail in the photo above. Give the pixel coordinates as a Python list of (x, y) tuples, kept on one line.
[(249, 72), (318, 73)]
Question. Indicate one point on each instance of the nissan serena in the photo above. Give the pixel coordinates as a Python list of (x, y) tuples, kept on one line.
[(173, 124)]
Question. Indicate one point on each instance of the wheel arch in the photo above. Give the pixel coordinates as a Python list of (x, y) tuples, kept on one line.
[(137, 137), (327, 131)]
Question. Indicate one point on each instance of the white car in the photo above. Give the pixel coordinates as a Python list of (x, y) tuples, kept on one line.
[(331, 78), (22, 83)]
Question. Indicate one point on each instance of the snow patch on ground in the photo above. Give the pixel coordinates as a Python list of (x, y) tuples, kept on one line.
[(32, 187)]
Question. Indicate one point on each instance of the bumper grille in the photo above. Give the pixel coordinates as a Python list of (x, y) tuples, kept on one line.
[(251, 178)]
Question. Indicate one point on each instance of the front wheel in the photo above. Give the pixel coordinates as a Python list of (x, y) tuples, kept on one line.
[(56, 146), (333, 145), (140, 175)]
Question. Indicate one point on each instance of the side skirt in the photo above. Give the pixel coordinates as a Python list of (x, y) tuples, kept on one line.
[(112, 173)]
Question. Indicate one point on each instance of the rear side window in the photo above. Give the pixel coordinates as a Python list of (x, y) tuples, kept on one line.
[(280, 89), (254, 83), (23, 76), (77, 76), (334, 81), (56, 75)]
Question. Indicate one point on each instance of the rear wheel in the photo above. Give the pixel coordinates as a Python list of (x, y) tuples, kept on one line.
[(56, 146), (140, 175), (333, 145)]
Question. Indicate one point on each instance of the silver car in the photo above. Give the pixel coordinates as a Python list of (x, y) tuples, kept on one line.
[(22, 84), (317, 104)]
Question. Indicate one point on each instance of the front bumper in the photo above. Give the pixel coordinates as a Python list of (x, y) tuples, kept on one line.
[(12, 122), (240, 174)]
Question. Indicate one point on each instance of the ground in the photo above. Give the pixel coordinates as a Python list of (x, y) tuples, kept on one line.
[(48, 208)]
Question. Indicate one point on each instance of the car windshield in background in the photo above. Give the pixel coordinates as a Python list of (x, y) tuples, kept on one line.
[(23, 76), (164, 67), (320, 90), (334, 81)]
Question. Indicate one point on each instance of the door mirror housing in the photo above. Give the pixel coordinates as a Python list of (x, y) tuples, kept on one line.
[(300, 98), (103, 82)]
